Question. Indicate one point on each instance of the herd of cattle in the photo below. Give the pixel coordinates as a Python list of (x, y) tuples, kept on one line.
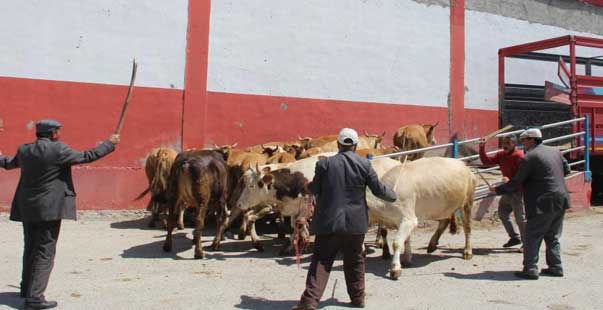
[(227, 182)]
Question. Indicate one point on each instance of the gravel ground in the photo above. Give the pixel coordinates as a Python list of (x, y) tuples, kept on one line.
[(109, 260)]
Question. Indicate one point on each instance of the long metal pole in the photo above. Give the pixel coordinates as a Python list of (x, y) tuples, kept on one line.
[(587, 172)]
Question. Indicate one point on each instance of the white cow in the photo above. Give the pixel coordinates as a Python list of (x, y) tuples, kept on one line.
[(428, 189)]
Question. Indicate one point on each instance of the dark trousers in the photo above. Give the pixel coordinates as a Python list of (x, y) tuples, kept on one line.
[(547, 227), (38, 257), (326, 248)]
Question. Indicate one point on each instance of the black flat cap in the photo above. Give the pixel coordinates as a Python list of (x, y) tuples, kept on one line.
[(47, 125)]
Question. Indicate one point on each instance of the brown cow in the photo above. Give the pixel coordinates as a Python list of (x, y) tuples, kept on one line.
[(280, 158), (157, 168), (413, 137), (329, 144), (199, 180)]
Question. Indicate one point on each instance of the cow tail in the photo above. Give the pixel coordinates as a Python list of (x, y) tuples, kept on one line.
[(454, 227), (159, 183), (146, 191)]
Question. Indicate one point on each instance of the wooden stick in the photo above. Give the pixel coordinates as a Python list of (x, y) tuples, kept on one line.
[(494, 133), (483, 178), (122, 117)]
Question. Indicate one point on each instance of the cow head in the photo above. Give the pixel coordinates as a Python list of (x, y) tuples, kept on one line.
[(375, 140), (293, 149), (256, 188), (270, 151), (305, 143), (225, 149), (430, 132)]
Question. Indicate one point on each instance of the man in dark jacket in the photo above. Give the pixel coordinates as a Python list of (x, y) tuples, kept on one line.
[(340, 220), (541, 174), (45, 195)]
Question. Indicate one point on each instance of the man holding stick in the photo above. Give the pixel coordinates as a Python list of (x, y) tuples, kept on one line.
[(508, 159), (45, 195)]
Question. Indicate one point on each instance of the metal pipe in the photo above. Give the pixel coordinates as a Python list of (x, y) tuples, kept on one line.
[(572, 149), (425, 149), (455, 148), (571, 121), (573, 135), (577, 163), (587, 172)]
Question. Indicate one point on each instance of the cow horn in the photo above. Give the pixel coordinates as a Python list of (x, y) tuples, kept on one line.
[(383, 134), (257, 168), (234, 145), (366, 133), (216, 147), (436, 124)]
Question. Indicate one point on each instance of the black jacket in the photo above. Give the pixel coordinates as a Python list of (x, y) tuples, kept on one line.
[(541, 173), (45, 191), (340, 185)]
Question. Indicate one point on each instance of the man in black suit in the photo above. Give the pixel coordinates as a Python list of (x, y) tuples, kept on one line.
[(341, 219), (541, 174), (45, 195)]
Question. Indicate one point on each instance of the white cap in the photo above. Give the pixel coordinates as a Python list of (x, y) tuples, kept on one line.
[(531, 133), (347, 136)]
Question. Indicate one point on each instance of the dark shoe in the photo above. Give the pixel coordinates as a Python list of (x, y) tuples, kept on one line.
[(528, 275), (551, 272), (357, 304), (512, 242), (44, 304)]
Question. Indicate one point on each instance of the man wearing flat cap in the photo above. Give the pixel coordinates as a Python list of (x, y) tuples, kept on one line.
[(541, 174), (340, 220), (45, 195)]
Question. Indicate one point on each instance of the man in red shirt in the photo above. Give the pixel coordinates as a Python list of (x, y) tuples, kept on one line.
[(508, 159)]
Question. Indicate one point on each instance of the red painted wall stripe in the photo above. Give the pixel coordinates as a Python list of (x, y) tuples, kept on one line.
[(195, 83), (457, 67)]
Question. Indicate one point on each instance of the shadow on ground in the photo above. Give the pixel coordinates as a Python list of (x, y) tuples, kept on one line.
[(259, 303), (486, 275), (12, 300)]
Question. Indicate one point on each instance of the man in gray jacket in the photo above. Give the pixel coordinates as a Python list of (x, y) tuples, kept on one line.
[(340, 220), (541, 173), (45, 195)]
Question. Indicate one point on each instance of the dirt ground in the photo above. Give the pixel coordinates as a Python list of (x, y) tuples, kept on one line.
[(110, 260)]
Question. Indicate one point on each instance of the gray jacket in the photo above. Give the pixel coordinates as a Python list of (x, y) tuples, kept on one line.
[(45, 191), (541, 173), (340, 183)]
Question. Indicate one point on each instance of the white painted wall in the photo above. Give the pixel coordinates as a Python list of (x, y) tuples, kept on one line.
[(386, 51), (94, 40), (486, 34)]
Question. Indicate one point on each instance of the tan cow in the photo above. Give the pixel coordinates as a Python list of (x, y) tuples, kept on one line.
[(412, 137), (157, 169), (377, 152), (280, 158), (426, 196)]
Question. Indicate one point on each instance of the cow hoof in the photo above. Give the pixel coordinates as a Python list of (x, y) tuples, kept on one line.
[(467, 255), (180, 227), (241, 236), (167, 247), (258, 246), (386, 255), (281, 236), (406, 264), (199, 255), (395, 274), (431, 248), (215, 246)]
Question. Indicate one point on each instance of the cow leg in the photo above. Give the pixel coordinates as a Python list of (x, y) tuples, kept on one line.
[(287, 248), (433, 243), (385, 251), (199, 224), (223, 226), (154, 216), (397, 240), (255, 240), (379, 238), (181, 219), (407, 256), (170, 224), (281, 227), (244, 225), (466, 216)]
